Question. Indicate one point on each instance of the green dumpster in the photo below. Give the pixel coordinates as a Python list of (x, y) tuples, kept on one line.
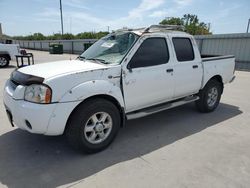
[(56, 49)]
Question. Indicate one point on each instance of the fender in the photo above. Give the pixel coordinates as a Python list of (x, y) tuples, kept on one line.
[(75, 96), (92, 88), (207, 79), (211, 72)]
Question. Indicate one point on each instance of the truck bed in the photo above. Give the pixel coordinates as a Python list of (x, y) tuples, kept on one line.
[(218, 65), (207, 57)]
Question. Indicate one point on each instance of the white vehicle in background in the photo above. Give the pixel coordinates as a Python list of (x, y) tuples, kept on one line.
[(126, 75), (7, 52)]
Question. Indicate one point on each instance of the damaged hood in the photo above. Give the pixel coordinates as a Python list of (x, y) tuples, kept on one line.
[(49, 70)]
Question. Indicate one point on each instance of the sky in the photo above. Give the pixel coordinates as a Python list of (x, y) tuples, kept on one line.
[(24, 17)]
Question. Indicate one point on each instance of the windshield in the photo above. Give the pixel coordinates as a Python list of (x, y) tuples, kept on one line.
[(111, 49)]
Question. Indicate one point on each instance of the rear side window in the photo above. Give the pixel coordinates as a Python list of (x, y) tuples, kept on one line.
[(153, 51), (183, 49)]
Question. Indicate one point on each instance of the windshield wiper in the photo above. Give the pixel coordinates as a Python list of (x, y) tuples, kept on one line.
[(98, 60), (81, 57)]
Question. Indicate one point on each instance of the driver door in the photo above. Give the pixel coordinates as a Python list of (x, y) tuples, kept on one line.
[(148, 76)]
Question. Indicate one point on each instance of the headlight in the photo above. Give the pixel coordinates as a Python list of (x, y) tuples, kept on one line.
[(38, 94)]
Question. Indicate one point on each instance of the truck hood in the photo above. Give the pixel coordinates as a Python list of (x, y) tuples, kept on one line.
[(48, 70)]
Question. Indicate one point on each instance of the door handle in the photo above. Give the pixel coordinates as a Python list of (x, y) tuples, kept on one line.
[(170, 70), (195, 66)]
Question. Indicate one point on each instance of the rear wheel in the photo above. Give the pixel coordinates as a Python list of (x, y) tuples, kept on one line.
[(209, 96), (93, 125), (4, 61)]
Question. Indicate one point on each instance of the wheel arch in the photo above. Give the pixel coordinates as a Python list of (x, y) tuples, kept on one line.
[(6, 55), (217, 78), (105, 97)]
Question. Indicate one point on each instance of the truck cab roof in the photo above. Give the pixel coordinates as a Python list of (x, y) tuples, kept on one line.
[(161, 29), (140, 33)]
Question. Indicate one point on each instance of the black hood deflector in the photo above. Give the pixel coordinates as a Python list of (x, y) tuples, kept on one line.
[(25, 79)]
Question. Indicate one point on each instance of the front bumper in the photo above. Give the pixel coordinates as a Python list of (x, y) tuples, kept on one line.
[(21, 112), (47, 119)]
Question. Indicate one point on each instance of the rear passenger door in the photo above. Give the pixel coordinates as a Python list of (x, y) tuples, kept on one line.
[(187, 69)]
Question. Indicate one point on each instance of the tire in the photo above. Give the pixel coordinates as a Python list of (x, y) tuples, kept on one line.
[(4, 61), (209, 96), (93, 125)]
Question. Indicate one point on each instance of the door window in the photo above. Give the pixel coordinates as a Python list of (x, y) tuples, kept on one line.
[(153, 51), (183, 49)]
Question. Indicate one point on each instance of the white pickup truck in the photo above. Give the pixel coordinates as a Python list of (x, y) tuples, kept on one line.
[(7, 52), (127, 74)]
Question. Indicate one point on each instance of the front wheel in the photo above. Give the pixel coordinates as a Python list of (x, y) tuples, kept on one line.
[(209, 96), (93, 125)]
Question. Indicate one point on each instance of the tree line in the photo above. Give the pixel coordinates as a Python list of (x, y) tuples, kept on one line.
[(66, 36), (190, 22)]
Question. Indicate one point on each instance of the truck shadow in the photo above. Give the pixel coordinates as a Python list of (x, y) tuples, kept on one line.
[(28, 160)]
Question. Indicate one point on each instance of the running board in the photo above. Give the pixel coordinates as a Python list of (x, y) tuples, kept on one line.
[(161, 107)]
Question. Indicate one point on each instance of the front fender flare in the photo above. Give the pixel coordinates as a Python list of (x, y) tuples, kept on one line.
[(92, 88), (75, 96)]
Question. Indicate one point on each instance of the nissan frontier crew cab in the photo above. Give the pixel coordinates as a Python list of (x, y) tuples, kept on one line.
[(125, 75)]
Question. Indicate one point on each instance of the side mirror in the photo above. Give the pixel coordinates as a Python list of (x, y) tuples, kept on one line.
[(129, 68)]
